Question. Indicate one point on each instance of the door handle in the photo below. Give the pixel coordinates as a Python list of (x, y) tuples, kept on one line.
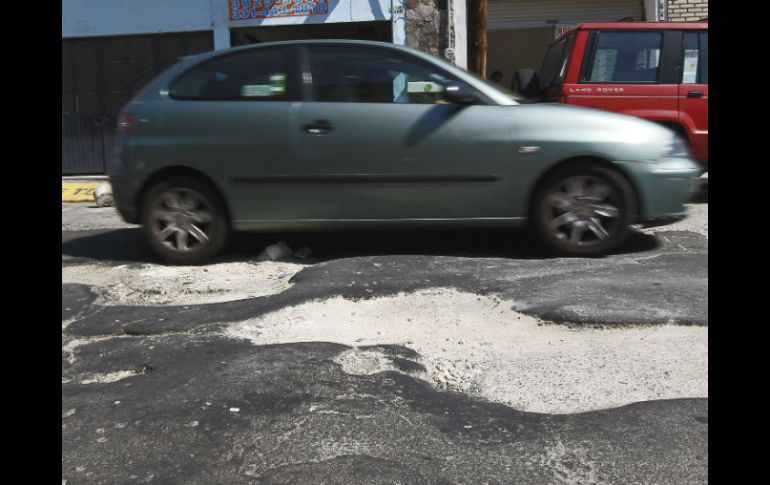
[(695, 94), (318, 127)]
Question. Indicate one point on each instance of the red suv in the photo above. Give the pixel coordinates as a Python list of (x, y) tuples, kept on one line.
[(653, 70)]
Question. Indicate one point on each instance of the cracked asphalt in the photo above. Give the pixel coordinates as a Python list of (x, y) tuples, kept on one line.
[(157, 394)]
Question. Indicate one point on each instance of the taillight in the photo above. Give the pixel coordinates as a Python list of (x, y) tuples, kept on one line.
[(126, 123)]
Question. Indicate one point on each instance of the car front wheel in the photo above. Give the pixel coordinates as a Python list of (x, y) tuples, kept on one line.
[(584, 210), (184, 221)]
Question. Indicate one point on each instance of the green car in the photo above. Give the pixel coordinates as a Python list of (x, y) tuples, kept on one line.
[(336, 134)]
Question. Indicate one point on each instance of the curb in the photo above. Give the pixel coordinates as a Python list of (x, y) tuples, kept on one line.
[(78, 191), (86, 189)]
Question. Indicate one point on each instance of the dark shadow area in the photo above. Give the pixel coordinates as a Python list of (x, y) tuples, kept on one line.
[(128, 245), (115, 245), (432, 120), (701, 195), (470, 243)]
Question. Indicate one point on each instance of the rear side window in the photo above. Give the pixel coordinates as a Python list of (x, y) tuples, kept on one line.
[(352, 74), (624, 57), (555, 63), (695, 62), (259, 75)]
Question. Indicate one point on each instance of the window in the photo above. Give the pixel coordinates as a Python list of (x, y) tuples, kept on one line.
[(695, 61), (691, 59), (621, 57), (259, 75), (371, 75)]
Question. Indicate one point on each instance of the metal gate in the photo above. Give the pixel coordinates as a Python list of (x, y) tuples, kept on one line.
[(85, 143), (510, 14), (99, 76)]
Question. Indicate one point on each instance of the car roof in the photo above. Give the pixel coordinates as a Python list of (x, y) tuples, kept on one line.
[(313, 41), (372, 43), (644, 25)]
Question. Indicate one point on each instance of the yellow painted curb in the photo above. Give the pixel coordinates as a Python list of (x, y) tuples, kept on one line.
[(78, 191)]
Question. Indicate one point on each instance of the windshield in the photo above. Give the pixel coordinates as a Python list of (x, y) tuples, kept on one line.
[(555, 63), (499, 91)]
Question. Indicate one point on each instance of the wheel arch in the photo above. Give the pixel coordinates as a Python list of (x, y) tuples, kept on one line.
[(677, 128), (180, 171), (588, 160)]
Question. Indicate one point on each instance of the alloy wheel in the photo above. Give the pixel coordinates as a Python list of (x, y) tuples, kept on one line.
[(582, 211), (182, 220)]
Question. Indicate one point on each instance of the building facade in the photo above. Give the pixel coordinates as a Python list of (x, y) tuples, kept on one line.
[(687, 10)]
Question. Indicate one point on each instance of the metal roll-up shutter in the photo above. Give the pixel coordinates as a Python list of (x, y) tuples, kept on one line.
[(511, 14)]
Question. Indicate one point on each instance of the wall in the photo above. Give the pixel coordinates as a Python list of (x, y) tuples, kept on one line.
[(687, 10), (86, 18), (339, 11), (428, 29), (424, 25), (460, 32), (654, 10)]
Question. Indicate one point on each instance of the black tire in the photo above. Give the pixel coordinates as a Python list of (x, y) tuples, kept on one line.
[(184, 221), (587, 221)]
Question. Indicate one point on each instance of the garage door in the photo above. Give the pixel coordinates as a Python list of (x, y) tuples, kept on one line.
[(510, 14)]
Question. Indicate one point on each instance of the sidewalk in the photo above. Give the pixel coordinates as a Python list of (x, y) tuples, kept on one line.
[(80, 188)]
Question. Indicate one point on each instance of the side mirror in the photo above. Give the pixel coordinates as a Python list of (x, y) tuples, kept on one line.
[(459, 94), (527, 83)]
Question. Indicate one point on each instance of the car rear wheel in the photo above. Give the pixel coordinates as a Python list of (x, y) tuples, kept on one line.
[(184, 221), (583, 210)]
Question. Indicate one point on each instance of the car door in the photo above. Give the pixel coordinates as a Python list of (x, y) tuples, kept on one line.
[(378, 141), (629, 71), (694, 92), (230, 120)]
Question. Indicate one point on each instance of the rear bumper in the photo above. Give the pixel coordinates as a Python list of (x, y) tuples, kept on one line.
[(124, 194)]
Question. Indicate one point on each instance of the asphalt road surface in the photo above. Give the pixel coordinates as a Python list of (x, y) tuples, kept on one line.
[(449, 357)]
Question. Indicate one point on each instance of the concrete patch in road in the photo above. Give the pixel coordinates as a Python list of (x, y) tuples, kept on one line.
[(153, 284), (658, 287), (478, 345)]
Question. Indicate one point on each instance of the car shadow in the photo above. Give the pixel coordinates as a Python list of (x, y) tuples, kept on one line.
[(110, 245), (123, 246), (433, 119), (701, 195)]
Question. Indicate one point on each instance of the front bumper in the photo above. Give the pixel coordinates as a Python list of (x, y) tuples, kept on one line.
[(664, 188)]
